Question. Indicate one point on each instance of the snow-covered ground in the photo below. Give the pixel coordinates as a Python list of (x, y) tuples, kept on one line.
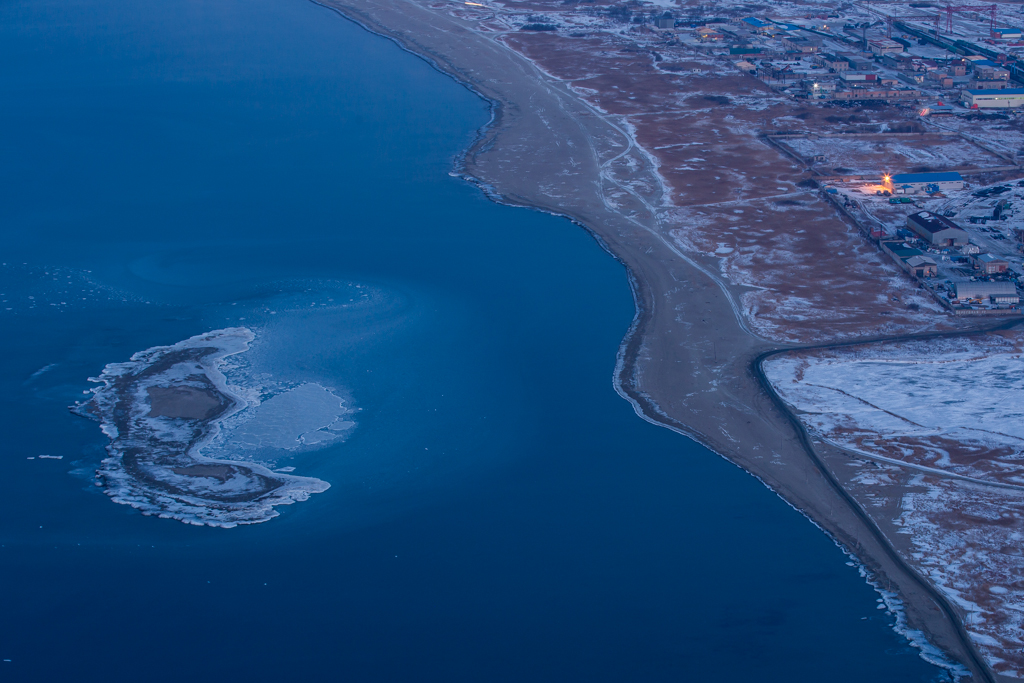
[(944, 419), (916, 405)]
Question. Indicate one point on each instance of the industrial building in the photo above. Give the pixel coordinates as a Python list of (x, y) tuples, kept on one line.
[(989, 264), (1008, 98), (921, 266), (1006, 33), (885, 46), (913, 183), (937, 230), (996, 292), (860, 94), (801, 44), (910, 259)]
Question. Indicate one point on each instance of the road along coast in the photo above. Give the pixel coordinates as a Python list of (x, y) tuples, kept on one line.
[(690, 361)]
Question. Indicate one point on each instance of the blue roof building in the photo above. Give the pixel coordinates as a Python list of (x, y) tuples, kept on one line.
[(926, 177)]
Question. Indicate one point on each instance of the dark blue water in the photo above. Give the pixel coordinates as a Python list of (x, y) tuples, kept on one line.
[(499, 514)]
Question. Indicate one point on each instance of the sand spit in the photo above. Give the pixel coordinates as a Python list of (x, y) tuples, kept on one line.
[(690, 360), (159, 409)]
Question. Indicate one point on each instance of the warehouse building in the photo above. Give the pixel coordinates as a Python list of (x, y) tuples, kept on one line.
[(921, 266), (1006, 33), (859, 94), (1009, 98), (801, 44), (989, 264), (937, 230), (913, 183), (885, 46), (996, 292)]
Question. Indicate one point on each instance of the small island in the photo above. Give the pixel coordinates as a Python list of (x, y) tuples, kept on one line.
[(159, 410)]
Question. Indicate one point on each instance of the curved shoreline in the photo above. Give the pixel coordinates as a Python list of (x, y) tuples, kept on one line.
[(875, 553)]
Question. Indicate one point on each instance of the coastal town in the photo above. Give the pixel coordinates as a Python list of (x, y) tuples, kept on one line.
[(850, 176), (920, 86)]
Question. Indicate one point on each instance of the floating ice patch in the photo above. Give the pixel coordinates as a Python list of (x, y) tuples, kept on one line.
[(306, 415)]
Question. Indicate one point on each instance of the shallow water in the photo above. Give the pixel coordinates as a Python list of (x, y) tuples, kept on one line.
[(497, 512)]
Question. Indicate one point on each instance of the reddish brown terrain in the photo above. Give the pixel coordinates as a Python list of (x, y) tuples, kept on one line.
[(805, 274)]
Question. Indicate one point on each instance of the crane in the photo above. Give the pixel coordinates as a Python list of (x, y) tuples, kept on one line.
[(949, 10)]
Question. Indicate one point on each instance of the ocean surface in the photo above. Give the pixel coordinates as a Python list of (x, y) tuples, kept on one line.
[(495, 513)]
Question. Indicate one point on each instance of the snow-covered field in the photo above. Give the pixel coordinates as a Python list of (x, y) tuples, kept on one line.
[(885, 405), (885, 154), (945, 420)]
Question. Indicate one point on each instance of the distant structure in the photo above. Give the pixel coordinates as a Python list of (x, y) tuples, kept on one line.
[(665, 21), (913, 183), (884, 46), (1006, 33), (922, 266), (910, 259), (989, 264), (938, 231), (997, 292), (801, 44), (1008, 98)]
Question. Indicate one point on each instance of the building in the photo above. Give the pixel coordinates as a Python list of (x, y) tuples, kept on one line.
[(665, 21), (819, 89), (801, 44), (912, 260), (996, 292), (861, 63), (990, 73), (884, 46), (937, 230), (913, 183), (921, 266), (1009, 98), (774, 73), (708, 34), (857, 77), (989, 264), (861, 94), (898, 61), (1006, 33), (941, 78), (988, 85), (833, 63), (937, 110)]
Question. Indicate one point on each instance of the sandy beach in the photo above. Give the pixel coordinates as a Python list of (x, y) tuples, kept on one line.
[(690, 360)]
